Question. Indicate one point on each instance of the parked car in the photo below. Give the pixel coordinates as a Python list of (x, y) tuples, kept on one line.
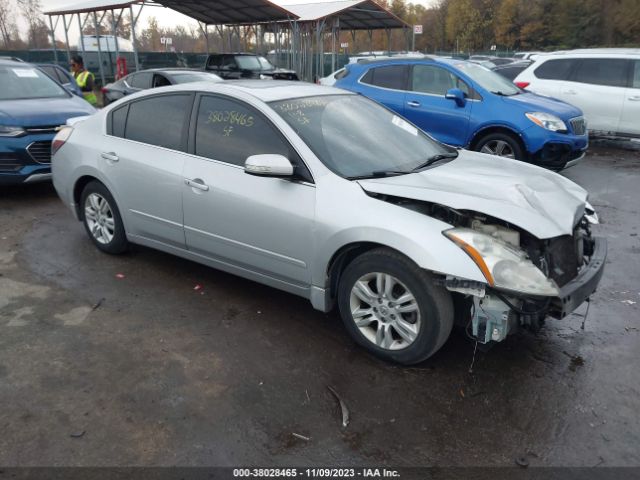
[(330, 196), (526, 55), (62, 76), (233, 66), (604, 83), (466, 105), (331, 79), (153, 78), (511, 70), (496, 61), (32, 106)]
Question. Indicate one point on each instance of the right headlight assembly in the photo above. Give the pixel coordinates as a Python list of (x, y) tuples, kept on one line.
[(504, 266)]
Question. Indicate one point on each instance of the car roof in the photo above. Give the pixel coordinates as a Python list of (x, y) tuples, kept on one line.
[(13, 63), (598, 52), (265, 90), (171, 70)]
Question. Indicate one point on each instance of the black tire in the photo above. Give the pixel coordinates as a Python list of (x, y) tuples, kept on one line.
[(510, 140), (118, 243), (434, 303)]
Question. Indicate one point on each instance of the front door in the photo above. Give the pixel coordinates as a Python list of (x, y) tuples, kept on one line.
[(257, 224), (144, 156), (427, 107)]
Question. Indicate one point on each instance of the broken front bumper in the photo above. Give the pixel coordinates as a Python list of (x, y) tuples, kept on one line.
[(574, 293)]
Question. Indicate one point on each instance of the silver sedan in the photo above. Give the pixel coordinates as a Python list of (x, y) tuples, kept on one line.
[(330, 196)]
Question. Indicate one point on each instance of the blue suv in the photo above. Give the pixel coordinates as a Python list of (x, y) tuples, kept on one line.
[(32, 106), (466, 105)]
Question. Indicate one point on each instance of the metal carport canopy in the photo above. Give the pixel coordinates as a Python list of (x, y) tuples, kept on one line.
[(229, 12), (91, 6), (352, 14)]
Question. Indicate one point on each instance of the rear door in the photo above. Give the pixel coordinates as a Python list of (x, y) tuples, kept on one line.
[(386, 85), (630, 121), (598, 86), (427, 107), (144, 157)]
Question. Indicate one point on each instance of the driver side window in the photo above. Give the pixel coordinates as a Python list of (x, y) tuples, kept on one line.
[(230, 131), (436, 81)]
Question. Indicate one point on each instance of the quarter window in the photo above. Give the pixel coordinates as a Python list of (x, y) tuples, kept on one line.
[(555, 69), (159, 120), (610, 72), (230, 132), (118, 121), (435, 80), (392, 76)]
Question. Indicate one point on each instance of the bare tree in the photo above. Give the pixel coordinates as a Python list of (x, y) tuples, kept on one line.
[(31, 10), (6, 9)]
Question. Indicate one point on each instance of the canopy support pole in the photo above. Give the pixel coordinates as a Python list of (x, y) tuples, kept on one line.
[(66, 35), (95, 24), (53, 38), (134, 20)]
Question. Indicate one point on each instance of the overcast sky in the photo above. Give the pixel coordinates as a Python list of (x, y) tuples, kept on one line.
[(165, 16)]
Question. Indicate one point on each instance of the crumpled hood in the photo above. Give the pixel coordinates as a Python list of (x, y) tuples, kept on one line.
[(541, 202), (43, 111)]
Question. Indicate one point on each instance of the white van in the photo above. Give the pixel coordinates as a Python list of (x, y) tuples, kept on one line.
[(604, 83)]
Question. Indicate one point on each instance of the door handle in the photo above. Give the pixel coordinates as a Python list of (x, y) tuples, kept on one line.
[(413, 103), (110, 156), (635, 99), (197, 183), (570, 92)]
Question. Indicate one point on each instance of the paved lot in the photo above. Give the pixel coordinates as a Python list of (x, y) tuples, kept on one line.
[(162, 374)]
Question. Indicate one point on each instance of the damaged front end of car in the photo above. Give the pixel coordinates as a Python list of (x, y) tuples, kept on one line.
[(527, 279)]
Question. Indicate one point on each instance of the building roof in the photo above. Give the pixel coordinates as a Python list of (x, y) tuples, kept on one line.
[(352, 14)]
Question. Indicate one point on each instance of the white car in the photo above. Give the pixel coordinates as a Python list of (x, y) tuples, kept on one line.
[(604, 83), (330, 80)]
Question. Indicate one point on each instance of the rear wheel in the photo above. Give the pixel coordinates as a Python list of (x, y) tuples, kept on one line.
[(501, 145), (102, 220), (391, 307)]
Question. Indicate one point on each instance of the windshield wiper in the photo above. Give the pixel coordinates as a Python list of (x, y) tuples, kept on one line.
[(379, 174), (434, 159), (502, 94)]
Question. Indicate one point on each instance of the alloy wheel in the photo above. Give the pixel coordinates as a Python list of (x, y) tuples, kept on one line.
[(499, 148), (99, 218), (385, 311)]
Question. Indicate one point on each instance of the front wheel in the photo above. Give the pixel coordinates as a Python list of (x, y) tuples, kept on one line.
[(391, 307), (501, 145)]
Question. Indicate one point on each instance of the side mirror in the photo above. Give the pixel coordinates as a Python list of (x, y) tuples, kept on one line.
[(457, 95), (268, 165)]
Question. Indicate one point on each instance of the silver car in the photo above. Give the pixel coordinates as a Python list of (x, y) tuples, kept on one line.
[(330, 196)]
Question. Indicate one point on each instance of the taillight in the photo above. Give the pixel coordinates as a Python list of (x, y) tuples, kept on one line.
[(59, 140), (522, 85)]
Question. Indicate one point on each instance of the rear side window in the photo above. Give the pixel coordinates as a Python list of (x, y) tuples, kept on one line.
[(611, 72), (159, 120), (636, 75), (392, 76), (555, 69)]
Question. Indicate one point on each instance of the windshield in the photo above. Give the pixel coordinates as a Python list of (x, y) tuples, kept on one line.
[(488, 80), (248, 62), (23, 83), (194, 77), (356, 137), (265, 64)]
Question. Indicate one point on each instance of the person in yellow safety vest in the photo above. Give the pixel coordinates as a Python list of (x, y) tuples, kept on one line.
[(85, 79)]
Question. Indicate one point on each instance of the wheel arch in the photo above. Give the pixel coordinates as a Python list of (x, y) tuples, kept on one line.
[(490, 129)]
